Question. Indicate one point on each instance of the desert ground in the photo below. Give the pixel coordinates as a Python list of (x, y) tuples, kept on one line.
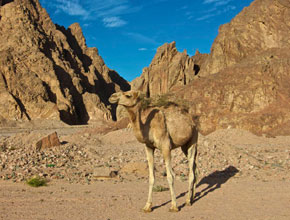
[(100, 173)]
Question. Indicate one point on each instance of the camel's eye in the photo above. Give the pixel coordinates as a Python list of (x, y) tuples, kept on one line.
[(128, 96)]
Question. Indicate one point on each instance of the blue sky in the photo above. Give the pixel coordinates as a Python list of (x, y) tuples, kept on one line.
[(128, 32)]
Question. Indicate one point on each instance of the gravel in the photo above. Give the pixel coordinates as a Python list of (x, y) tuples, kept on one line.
[(222, 154)]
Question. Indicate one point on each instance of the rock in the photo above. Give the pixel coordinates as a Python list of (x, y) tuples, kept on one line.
[(138, 168), (48, 142), (48, 72), (102, 173), (262, 26), (168, 69)]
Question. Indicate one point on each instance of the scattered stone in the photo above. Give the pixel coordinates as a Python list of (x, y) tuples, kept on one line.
[(138, 168), (74, 163), (48, 142), (102, 171)]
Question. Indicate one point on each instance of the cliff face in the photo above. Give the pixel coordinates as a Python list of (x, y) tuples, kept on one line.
[(48, 72), (264, 25), (168, 69), (243, 82), (252, 95)]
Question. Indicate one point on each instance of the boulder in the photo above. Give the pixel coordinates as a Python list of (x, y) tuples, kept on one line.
[(48, 142)]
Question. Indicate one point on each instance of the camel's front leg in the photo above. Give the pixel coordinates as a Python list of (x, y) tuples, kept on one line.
[(170, 177), (150, 159)]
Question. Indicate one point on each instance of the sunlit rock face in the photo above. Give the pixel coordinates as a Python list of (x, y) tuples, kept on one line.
[(48, 72), (168, 69), (262, 26)]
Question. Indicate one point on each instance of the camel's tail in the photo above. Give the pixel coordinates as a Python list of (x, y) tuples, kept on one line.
[(196, 122)]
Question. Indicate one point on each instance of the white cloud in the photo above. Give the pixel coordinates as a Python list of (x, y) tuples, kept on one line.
[(72, 7), (215, 10), (141, 38), (107, 11), (225, 2), (142, 49), (204, 17), (113, 22), (217, 2), (210, 1), (185, 7), (229, 8)]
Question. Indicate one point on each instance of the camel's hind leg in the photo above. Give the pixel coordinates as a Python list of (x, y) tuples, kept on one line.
[(170, 178), (150, 159), (191, 152), (192, 180)]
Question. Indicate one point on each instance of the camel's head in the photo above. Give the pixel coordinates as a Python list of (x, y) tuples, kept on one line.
[(128, 99)]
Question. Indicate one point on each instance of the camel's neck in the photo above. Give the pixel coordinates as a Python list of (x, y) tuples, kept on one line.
[(135, 118)]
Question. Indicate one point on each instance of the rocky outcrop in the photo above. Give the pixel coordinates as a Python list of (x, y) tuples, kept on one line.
[(242, 83), (168, 69), (48, 72), (49, 141), (251, 95), (262, 26)]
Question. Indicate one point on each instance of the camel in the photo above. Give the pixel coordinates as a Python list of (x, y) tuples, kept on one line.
[(165, 128)]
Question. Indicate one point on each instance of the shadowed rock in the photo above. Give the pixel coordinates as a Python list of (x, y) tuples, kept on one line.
[(48, 72)]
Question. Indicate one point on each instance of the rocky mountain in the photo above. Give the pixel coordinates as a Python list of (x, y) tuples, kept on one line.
[(48, 72), (168, 69), (253, 95), (243, 82), (261, 26)]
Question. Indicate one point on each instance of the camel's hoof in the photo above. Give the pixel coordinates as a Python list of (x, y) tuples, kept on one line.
[(188, 203), (174, 209), (147, 208)]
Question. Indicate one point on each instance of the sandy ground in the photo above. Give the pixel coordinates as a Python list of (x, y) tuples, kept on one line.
[(242, 176), (236, 199)]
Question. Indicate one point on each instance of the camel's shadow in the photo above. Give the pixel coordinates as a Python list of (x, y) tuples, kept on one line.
[(213, 181)]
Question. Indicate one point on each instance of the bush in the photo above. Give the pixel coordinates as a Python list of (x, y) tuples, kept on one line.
[(160, 188), (36, 181)]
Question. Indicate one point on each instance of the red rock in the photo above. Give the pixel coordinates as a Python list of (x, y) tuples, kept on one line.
[(48, 142)]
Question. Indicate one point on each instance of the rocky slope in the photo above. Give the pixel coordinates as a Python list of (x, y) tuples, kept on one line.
[(242, 83), (251, 95), (48, 72), (261, 26)]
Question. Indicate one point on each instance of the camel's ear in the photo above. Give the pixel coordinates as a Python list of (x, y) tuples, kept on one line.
[(114, 98), (136, 94), (139, 93)]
